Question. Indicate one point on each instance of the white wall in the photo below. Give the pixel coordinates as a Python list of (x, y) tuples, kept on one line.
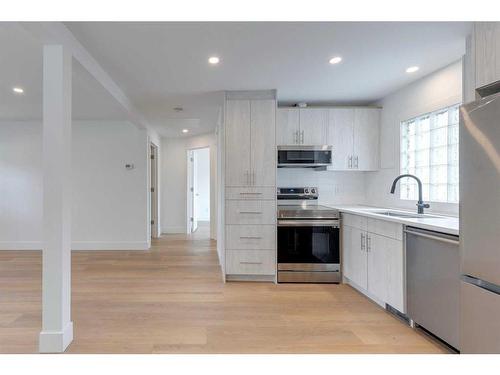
[(333, 187), (20, 185), (109, 202), (174, 181), (437, 90), (202, 184)]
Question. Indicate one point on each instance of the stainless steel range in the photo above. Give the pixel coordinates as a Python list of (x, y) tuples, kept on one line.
[(308, 238)]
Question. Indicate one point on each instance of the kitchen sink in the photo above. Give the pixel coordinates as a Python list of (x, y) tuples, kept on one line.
[(407, 215)]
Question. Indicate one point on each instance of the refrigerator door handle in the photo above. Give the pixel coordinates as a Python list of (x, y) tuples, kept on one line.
[(490, 287)]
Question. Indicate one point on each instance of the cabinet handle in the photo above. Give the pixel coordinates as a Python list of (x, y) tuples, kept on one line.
[(296, 137), (250, 238), (253, 178), (250, 193), (368, 244), (251, 212), (356, 162), (302, 137), (349, 162), (362, 242), (250, 262)]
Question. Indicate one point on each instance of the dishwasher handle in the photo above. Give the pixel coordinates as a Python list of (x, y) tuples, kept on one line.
[(432, 237)]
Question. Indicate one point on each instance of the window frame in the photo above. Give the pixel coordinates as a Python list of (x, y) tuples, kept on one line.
[(430, 113)]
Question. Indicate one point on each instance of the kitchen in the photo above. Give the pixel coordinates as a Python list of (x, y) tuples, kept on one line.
[(406, 260), (352, 188)]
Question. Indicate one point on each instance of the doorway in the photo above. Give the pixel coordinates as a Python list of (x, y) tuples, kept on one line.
[(153, 173), (198, 194)]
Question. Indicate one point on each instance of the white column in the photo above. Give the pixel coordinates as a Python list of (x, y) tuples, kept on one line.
[(57, 327)]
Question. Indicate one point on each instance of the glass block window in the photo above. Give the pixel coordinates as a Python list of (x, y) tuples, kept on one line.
[(429, 150)]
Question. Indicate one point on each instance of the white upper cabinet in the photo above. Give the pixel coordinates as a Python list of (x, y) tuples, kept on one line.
[(263, 142), (304, 126), (313, 126), (287, 126), (366, 139), (341, 136), (237, 129), (250, 130), (487, 52)]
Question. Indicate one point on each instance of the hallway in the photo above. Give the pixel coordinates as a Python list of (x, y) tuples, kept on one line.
[(172, 300)]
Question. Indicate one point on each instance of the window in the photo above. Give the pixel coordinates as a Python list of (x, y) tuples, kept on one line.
[(429, 150)]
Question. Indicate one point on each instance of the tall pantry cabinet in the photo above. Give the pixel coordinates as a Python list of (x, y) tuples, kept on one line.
[(250, 185)]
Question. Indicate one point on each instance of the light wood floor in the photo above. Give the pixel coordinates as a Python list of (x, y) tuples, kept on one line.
[(171, 300)]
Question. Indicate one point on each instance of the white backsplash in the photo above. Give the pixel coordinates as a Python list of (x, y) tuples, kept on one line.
[(333, 187)]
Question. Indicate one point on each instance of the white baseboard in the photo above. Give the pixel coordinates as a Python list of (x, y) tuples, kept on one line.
[(79, 245), (20, 245), (56, 341), (174, 230), (109, 245)]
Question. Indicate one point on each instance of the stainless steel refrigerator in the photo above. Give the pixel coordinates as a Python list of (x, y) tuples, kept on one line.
[(480, 226)]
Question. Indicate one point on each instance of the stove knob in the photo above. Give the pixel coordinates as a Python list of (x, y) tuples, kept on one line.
[(306, 190), (313, 191)]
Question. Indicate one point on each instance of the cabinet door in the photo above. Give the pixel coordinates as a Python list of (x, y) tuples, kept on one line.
[(314, 126), (340, 136), (385, 270), (237, 129), (487, 47), (354, 255), (377, 265), (263, 142), (395, 274), (287, 126), (366, 138)]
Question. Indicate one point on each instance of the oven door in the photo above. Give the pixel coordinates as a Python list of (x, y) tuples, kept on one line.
[(304, 156), (311, 244)]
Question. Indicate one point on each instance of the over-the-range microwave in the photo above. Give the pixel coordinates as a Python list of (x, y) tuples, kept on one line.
[(304, 156)]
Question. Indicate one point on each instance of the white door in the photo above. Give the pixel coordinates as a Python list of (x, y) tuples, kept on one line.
[(366, 138), (263, 143), (313, 126), (287, 126), (192, 223), (340, 136), (358, 258), (237, 129)]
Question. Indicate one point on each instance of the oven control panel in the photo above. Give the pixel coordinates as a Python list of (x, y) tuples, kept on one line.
[(297, 193)]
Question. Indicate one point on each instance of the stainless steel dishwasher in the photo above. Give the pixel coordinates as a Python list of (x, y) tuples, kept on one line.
[(433, 282)]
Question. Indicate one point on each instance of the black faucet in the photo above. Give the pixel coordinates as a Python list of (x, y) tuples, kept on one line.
[(420, 204)]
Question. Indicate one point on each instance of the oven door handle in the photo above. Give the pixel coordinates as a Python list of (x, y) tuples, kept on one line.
[(308, 223)]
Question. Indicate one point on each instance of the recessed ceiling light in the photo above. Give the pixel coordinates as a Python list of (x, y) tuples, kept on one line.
[(412, 69), (185, 130), (335, 60), (213, 60), (18, 90)]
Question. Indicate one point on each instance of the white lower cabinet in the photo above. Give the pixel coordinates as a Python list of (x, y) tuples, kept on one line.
[(251, 262), (374, 262)]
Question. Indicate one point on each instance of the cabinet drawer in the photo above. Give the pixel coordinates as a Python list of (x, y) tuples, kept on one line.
[(250, 193), (250, 262), (385, 228), (355, 221), (256, 237), (250, 212)]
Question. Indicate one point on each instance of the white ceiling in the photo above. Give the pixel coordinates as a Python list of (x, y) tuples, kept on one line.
[(164, 65), (21, 65)]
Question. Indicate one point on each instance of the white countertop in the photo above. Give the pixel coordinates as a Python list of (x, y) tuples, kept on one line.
[(438, 223)]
